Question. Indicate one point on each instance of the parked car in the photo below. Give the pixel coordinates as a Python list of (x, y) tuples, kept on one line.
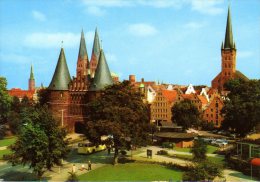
[(219, 142)]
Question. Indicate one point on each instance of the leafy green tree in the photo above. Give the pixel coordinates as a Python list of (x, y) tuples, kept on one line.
[(185, 114), (203, 171), (5, 101), (41, 143), (242, 106), (120, 113), (5, 106), (43, 96), (199, 150)]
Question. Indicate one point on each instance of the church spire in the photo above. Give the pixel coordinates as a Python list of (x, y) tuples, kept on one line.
[(229, 43), (95, 54), (102, 76), (61, 77), (82, 48), (31, 73)]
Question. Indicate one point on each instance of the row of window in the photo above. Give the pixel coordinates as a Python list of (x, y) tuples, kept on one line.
[(159, 116), (159, 110)]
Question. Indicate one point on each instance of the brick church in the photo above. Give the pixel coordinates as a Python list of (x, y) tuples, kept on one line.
[(228, 59), (68, 96)]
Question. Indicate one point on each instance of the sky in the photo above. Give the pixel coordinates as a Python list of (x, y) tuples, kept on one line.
[(170, 41)]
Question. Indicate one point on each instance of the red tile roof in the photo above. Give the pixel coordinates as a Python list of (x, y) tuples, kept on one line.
[(203, 100), (170, 95), (21, 93)]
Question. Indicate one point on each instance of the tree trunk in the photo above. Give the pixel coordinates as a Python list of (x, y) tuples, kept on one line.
[(116, 156)]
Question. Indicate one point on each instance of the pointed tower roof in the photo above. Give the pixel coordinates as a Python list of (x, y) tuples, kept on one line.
[(61, 77), (102, 76), (96, 44), (82, 48), (31, 74), (229, 43)]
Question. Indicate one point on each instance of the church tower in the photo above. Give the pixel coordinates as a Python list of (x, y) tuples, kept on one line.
[(31, 85), (228, 59), (95, 54), (83, 62)]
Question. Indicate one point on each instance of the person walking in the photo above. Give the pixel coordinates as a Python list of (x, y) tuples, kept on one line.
[(89, 165), (74, 168)]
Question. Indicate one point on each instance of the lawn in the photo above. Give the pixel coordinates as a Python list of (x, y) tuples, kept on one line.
[(7, 141), (217, 159), (211, 149), (132, 172)]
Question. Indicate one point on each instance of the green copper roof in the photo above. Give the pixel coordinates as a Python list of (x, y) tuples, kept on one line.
[(31, 74), (102, 76), (229, 35), (61, 77), (82, 48), (96, 45)]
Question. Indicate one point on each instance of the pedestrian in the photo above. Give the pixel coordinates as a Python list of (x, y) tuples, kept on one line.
[(82, 167), (74, 168), (89, 165)]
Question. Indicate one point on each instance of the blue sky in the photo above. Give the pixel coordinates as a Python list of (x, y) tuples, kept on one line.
[(174, 41)]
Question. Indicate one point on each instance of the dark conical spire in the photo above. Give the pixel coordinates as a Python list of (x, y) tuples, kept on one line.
[(102, 76), (31, 74), (82, 48), (229, 43), (96, 44), (61, 77)]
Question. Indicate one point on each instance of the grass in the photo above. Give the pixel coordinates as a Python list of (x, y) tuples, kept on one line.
[(132, 172), (211, 149), (7, 141)]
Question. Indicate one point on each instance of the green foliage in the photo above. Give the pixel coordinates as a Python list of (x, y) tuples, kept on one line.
[(204, 171), (207, 125), (5, 101), (185, 114), (242, 108), (168, 145), (119, 112), (40, 143), (72, 177), (199, 150), (43, 96), (162, 152)]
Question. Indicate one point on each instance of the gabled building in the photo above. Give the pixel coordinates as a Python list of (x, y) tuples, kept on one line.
[(228, 59)]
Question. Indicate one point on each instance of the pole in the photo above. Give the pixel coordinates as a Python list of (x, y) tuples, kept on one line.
[(62, 117)]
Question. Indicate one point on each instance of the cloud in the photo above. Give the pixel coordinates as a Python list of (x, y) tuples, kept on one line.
[(48, 40), (207, 6), (161, 3), (15, 58), (38, 16), (194, 25), (244, 54), (141, 29), (108, 3), (96, 11)]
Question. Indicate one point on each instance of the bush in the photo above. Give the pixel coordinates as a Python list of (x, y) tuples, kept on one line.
[(162, 152), (123, 152), (204, 171), (168, 145)]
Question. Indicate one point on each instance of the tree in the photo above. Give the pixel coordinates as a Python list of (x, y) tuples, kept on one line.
[(120, 113), (5, 101), (242, 106), (203, 171), (43, 96), (5, 105), (199, 150), (185, 114), (41, 143)]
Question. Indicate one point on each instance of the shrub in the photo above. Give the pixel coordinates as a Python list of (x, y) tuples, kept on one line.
[(123, 152), (168, 145), (162, 152)]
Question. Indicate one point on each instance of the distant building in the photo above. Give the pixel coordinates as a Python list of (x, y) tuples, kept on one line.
[(228, 59), (31, 93)]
